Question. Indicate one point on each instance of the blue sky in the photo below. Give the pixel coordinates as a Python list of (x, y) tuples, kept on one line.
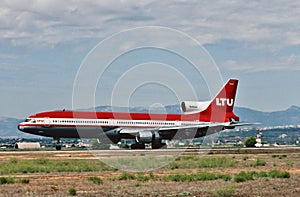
[(43, 43)]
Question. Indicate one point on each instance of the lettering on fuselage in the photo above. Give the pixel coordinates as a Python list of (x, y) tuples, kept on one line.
[(224, 101)]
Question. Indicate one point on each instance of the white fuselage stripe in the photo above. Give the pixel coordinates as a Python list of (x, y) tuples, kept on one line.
[(109, 122)]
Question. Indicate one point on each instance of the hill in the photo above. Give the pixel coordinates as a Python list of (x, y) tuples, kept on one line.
[(290, 116), (8, 128)]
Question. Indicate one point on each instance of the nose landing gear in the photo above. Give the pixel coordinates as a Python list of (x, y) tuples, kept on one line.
[(58, 144)]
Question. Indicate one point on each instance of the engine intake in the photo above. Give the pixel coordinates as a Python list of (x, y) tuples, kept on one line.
[(147, 137)]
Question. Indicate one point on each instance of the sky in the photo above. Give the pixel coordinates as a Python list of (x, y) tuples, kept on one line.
[(43, 45)]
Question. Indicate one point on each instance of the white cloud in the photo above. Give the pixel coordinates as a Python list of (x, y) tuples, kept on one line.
[(52, 22), (287, 62), (264, 25), (268, 29), (271, 24)]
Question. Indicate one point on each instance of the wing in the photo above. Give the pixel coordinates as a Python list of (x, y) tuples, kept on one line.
[(169, 128), (199, 130)]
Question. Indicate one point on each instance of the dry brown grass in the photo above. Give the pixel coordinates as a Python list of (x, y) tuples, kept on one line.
[(58, 184)]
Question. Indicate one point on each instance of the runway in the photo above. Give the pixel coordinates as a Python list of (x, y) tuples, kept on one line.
[(90, 154)]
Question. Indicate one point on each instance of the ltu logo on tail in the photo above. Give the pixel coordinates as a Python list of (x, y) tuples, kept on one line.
[(224, 101)]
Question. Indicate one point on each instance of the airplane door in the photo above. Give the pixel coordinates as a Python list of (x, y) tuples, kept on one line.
[(178, 123), (112, 122), (47, 122)]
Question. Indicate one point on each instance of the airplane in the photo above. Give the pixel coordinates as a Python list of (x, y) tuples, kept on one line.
[(197, 120)]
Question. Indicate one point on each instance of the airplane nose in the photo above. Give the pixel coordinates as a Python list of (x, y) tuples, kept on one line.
[(20, 127)]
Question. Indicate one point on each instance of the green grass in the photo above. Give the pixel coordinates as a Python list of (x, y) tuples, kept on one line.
[(187, 157), (48, 165), (95, 180), (226, 191), (141, 177), (201, 176), (258, 162), (13, 160), (6, 180), (127, 176), (24, 181), (139, 162), (72, 192), (245, 176), (216, 162), (184, 162), (10, 180), (279, 174)]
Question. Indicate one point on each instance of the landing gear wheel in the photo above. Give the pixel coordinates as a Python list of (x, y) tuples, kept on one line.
[(137, 146), (158, 145), (58, 147)]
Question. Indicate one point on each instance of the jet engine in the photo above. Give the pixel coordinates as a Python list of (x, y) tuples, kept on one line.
[(194, 106), (147, 137), (144, 137)]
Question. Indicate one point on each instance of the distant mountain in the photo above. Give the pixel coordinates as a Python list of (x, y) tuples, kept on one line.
[(8, 128), (291, 116), (167, 109)]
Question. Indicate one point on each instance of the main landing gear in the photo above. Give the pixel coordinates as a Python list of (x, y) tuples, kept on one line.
[(58, 144), (155, 145), (137, 146), (158, 145)]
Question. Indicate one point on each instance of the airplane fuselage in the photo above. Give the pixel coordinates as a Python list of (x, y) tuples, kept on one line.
[(69, 124), (199, 119)]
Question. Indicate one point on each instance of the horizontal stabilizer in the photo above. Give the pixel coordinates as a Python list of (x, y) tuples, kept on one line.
[(240, 124)]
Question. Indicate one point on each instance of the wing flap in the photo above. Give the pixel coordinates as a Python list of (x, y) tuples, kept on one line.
[(194, 126), (168, 128)]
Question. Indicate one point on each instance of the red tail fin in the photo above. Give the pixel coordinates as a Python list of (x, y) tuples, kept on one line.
[(221, 107)]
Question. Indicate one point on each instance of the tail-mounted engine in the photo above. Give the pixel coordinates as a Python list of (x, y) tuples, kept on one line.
[(194, 106)]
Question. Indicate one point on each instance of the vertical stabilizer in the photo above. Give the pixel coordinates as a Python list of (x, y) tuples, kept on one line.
[(220, 108)]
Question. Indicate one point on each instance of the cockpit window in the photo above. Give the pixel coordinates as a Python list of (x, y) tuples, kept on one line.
[(29, 120)]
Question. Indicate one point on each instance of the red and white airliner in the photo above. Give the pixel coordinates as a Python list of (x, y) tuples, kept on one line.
[(199, 119)]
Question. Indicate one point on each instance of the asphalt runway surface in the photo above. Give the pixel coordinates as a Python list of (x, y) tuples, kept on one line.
[(122, 152)]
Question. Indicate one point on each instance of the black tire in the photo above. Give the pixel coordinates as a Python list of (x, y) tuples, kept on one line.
[(158, 145), (58, 147), (137, 146)]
